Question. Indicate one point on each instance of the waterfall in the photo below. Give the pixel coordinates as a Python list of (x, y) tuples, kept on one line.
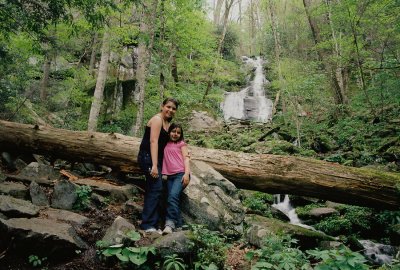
[(249, 103), (378, 253), (286, 208)]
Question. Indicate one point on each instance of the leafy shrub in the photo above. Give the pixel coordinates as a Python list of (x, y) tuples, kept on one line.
[(339, 259), (35, 261), (138, 256), (277, 253), (209, 246), (173, 262), (83, 200), (259, 201)]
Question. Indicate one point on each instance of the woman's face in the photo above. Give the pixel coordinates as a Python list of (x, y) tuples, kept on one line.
[(169, 109), (175, 134)]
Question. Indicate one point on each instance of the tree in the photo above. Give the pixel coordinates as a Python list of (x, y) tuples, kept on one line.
[(147, 26), (267, 173), (100, 83)]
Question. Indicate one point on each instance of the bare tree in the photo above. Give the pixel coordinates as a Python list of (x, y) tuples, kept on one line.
[(147, 25), (100, 83)]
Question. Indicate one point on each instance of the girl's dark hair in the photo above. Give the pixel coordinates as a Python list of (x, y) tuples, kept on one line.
[(173, 126), (170, 99)]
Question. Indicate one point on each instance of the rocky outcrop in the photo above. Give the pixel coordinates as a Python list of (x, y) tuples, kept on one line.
[(260, 227), (116, 233), (211, 199), (13, 207), (40, 236)]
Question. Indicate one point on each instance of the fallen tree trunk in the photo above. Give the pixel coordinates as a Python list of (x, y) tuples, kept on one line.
[(267, 173)]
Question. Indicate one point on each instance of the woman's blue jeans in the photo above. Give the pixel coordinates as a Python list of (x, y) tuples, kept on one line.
[(152, 196), (175, 188)]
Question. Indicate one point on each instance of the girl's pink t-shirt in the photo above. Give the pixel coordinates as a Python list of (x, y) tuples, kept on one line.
[(173, 161)]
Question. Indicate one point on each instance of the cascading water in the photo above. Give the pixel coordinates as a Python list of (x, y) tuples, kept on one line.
[(285, 207), (250, 103)]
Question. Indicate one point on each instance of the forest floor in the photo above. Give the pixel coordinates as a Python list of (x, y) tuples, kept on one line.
[(100, 219)]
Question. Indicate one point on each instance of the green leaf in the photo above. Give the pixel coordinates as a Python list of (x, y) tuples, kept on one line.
[(138, 259), (122, 257), (133, 235)]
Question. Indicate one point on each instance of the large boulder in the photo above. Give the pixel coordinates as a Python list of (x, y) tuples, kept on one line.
[(17, 190), (116, 233), (41, 237), (201, 121), (13, 207), (174, 243), (260, 227), (40, 173), (212, 200), (64, 195)]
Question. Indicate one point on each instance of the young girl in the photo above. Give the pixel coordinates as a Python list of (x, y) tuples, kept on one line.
[(176, 167)]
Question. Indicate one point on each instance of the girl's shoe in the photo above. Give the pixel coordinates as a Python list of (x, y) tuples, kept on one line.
[(167, 230)]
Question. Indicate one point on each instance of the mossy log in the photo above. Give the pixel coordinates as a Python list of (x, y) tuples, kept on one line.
[(267, 173)]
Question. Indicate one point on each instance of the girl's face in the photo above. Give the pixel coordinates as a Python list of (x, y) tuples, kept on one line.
[(175, 134), (169, 109)]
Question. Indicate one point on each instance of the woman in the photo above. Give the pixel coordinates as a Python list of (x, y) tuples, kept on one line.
[(150, 160)]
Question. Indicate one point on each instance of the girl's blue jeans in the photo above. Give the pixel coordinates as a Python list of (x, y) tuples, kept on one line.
[(175, 188)]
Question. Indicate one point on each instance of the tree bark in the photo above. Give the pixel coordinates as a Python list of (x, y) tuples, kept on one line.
[(266, 173), (44, 84), (100, 83), (147, 25), (93, 54)]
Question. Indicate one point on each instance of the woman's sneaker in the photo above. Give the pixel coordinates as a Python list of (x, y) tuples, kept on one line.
[(167, 230)]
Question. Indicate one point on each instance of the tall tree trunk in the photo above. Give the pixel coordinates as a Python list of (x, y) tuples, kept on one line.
[(174, 65), (217, 11), (93, 53), (331, 71), (228, 6), (266, 173), (100, 83), (44, 84), (147, 25), (277, 50)]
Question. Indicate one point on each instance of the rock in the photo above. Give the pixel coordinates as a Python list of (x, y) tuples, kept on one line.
[(2, 216), (64, 195), (174, 243), (201, 121), (13, 189), (40, 173), (259, 227), (41, 237), (209, 203), (116, 193), (38, 196), (116, 234), (3, 177), (322, 212), (98, 200), (132, 205), (213, 178), (330, 244), (14, 207), (64, 215)]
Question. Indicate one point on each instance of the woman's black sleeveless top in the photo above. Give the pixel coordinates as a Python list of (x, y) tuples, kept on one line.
[(162, 142)]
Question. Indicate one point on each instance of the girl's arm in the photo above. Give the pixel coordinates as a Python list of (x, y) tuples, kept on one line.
[(186, 158), (155, 128)]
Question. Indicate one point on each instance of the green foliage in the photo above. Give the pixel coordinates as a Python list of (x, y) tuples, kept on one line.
[(259, 201), (173, 262), (338, 259), (137, 256), (83, 199), (209, 247), (36, 261), (277, 253)]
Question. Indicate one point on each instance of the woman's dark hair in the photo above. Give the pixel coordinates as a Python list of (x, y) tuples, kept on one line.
[(170, 99), (173, 126)]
